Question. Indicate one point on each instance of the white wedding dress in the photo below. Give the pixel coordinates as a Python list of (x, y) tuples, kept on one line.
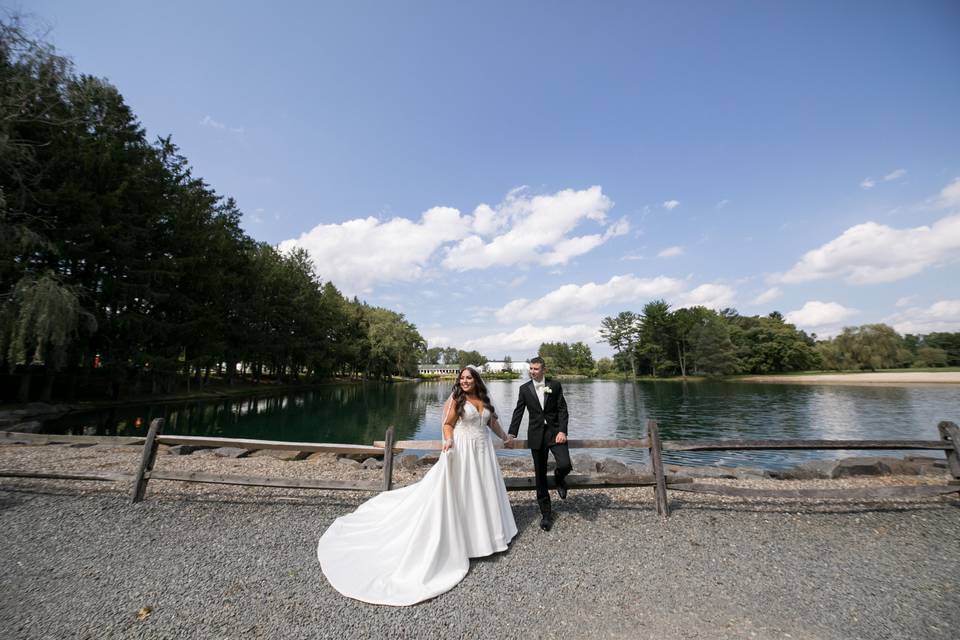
[(412, 544)]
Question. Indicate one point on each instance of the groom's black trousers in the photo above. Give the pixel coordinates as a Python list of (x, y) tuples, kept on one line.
[(561, 454)]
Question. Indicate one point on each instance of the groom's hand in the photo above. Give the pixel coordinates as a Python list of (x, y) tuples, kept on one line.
[(508, 443), (561, 437)]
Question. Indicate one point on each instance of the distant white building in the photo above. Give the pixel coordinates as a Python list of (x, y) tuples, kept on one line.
[(496, 366), (438, 369), (452, 369)]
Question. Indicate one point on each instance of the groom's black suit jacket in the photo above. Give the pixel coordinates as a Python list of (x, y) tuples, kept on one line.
[(545, 422)]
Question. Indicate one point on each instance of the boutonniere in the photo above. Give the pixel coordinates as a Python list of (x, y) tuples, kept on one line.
[(547, 389)]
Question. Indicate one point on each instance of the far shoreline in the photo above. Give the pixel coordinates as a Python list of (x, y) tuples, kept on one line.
[(859, 378)]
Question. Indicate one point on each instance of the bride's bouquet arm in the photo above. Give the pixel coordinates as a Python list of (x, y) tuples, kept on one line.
[(449, 419)]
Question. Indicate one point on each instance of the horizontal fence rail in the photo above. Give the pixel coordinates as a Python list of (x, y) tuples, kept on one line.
[(434, 445), (389, 447), (13, 437), (246, 443), (730, 445)]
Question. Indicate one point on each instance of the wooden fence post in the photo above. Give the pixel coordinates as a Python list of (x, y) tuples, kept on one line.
[(146, 463), (950, 431), (388, 459), (660, 488)]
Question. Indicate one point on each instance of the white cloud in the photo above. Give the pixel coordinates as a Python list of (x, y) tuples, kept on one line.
[(950, 195), (670, 252), (722, 203), (712, 296), (215, 124), (824, 318), (529, 338), (769, 295), (535, 229), (670, 205), (870, 183), (358, 254), (871, 253), (626, 289), (905, 301), (896, 174), (940, 316)]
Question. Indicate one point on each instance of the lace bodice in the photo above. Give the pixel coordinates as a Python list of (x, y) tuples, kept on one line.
[(473, 424)]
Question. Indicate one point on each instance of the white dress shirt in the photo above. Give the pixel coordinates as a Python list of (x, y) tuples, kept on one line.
[(538, 387)]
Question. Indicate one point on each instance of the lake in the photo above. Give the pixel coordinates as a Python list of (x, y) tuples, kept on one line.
[(360, 413)]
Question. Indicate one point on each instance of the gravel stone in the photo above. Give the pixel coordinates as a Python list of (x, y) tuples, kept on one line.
[(219, 561)]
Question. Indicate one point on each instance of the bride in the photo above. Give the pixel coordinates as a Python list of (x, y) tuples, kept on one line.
[(405, 546)]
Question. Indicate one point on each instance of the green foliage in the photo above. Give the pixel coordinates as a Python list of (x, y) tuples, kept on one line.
[(713, 351), (111, 247), (567, 359), (40, 322), (471, 357), (949, 342), (622, 332), (770, 345), (871, 346), (930, 357)]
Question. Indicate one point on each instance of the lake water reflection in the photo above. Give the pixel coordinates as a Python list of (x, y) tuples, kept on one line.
[(598, 409)]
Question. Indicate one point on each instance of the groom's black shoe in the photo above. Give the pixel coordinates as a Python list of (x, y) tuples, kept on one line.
[(546, 521), (562, 488)]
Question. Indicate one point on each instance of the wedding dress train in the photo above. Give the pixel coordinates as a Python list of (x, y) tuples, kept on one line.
[(412, 544)]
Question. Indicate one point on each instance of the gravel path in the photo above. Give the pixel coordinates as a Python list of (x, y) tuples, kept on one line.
[(79, 561)]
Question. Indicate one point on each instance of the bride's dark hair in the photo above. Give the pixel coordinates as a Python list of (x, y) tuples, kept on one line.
[(460, 398)]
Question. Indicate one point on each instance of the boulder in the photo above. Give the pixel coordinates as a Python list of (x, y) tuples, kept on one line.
[(864, 466), (231, 452), (281, 454), (428, 460), (41, 408), (322, 456), (27, 427), (640, 469), (349, 463), (749, 473), (408, 461), (184, 449), (813, 470), (924, 466), (701, 472), (371, 463), (584, 464), (610, 466)]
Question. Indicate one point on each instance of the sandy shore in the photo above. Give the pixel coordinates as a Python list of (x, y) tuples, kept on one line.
[(213, 561), (876, 378)]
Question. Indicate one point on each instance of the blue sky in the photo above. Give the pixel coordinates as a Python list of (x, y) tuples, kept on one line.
[(508, 174)]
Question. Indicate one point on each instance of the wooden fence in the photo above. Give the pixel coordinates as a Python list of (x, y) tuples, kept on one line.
[(389, 448)]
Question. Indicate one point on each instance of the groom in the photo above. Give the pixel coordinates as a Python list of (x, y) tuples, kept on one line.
[(547, 429)]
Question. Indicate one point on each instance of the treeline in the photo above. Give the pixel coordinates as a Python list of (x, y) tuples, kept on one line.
[(117, 263), (879, 346), (659, 341), (453, 357)]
